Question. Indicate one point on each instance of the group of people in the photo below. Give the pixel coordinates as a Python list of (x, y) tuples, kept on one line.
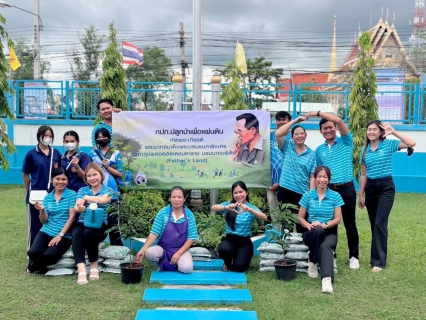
[(73, 181), (321, 184)]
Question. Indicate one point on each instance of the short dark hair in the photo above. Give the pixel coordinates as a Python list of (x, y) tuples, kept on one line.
[(283, 115), (321, 168), (251, 121), (109, 101), (42, 131), (295, 127), (178, 188), (104, 132), (71, 133), (322, 121), (58, 172)]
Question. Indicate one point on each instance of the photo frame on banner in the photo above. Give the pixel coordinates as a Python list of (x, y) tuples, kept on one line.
[(197, 149)]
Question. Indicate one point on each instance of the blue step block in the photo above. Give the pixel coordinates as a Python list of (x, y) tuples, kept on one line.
[(199, 277), (215, 264), (194, 296), (195, 315)]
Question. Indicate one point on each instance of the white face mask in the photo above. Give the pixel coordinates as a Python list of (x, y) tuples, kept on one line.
[(70, 146), (46, 142)]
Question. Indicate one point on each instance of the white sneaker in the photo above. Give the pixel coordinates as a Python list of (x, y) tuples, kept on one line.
[(326, 285), (312, 270), (354, 263)]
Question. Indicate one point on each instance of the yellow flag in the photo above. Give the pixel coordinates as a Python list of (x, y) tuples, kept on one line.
[(14, 62), (240, 58)]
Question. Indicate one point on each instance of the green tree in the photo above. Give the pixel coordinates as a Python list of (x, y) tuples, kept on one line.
[(84, 58), (233, 94), (25, 54), (362, 100), (113, 79), (5, 111), (157, 67)]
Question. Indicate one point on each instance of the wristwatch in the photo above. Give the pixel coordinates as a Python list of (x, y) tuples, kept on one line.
[(61, 234), (318, 113)]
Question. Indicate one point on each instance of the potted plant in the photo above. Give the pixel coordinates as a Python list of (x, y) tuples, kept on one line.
[(283, 220), (136, 211)]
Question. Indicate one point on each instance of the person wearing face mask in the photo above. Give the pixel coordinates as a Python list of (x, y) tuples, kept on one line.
[(105, 111), (111, 163), (73, 161), (36, 170)]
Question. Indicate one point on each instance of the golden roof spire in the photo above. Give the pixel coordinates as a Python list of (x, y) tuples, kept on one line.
[(333, 63)]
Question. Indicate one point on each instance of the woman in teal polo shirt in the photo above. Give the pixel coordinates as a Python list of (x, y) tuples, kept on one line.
[(298, 165), (325, 212), (36, 171), (377, 185), (57, 214), (236, 248), (85, 238)]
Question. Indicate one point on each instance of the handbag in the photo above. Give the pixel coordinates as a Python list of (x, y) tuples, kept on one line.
[(39, 195)]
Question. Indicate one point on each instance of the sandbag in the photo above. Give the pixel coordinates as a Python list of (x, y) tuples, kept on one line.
[(60, 272), (63, 263), (270, 247), (271, 256), (294, 238), (198, 258), (264, 269), (267, 263), (109, 270), (297, 247), (200, 251), (114, 252), (114, 263), (300, 255), (68, 254)]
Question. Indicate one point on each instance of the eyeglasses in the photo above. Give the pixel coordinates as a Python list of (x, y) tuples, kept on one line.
[(240, 131)]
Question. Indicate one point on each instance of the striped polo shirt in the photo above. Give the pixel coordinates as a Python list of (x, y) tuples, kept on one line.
[(98, 126), (162, 218), (298, 168), (58, 212), (338, 158), (379, 161), (321, 210), (243, 221), (277, 158), (86, 191)]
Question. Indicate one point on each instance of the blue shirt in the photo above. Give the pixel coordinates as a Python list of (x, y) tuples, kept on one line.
[(86, 191), (101, 124), (37, 165), (58, 212), (162, 219), (338, 158), (74, 181), (321, 210), (243, 222), (379, 162), (296, 177), (277, 158), (115, 161)]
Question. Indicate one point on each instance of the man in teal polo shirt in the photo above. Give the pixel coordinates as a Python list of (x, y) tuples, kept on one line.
[(336, 153)]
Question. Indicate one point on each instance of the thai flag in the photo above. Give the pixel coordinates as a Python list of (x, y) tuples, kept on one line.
[(132, 55)]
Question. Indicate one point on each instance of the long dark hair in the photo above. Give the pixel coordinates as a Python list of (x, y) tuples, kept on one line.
[(232, 216), (367, 141)]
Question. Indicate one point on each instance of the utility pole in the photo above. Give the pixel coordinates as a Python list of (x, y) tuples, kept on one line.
[(37, 40), (196, 56), (183, 63)]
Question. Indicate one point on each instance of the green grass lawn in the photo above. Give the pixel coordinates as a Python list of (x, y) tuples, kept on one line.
[(399, 292)]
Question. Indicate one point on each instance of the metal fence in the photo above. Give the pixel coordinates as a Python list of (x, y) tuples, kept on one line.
[(398, 103)]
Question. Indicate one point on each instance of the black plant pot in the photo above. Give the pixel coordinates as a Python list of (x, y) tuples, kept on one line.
[(132, 274), (285, 272)]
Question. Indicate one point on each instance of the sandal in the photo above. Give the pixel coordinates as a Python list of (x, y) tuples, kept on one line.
[(94, 276), (84, 281)]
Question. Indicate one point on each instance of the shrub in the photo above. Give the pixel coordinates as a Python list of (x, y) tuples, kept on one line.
[(211, 229)]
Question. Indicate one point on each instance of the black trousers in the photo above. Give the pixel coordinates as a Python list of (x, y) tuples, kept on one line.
[(236, 252), (287, 196), (322, 242), (34, 224), (348, 195), (87, 239), (41, 255), (379, 197)]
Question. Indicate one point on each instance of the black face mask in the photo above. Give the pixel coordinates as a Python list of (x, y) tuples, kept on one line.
[(102, 143)]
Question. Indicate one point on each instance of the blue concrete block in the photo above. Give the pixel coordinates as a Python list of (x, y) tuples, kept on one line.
[(195, 315), (199, 277), (215, 264), (194, 296)]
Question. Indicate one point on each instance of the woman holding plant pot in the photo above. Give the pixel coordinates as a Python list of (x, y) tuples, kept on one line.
[(173, 232), (377, 185), (57, 214), (325, 212), (236, 248), (93, 199)]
